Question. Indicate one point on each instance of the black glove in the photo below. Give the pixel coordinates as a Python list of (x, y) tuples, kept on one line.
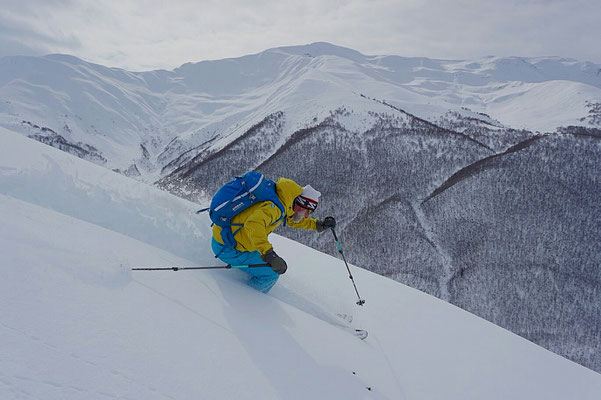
[(276, 262), (328, 222)]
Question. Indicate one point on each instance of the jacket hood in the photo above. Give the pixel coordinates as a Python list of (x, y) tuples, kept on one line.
[(287, 190)]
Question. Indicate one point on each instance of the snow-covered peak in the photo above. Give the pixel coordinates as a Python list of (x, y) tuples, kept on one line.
[(318, 49), (530, 69), (148, 119)]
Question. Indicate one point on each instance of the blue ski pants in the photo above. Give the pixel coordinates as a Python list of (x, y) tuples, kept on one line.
[(261, 278)]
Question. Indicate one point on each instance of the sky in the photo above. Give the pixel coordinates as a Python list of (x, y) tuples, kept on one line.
[(153, 34)]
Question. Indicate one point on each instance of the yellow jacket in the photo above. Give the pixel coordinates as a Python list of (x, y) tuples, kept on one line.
[(259, 219)]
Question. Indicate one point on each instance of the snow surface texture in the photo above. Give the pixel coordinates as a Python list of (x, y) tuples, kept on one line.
[(77, 323)]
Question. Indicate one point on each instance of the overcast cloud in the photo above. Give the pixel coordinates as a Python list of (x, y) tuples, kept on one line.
[(152, 34)]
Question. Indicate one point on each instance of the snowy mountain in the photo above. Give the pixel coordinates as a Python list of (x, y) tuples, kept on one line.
[(78, 323), (475, 181), (150, 122)]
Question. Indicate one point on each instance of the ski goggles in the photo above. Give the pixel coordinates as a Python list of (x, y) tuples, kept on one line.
[(303, 203)]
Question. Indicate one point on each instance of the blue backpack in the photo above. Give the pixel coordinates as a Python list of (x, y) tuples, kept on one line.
[(237, 195)]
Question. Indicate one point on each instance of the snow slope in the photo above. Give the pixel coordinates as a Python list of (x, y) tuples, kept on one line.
[(77, 323)]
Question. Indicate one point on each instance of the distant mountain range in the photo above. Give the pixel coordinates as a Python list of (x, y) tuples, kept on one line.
[(143, 122), (476, 181)]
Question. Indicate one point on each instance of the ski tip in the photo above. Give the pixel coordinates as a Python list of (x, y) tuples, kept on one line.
[(361, 334)]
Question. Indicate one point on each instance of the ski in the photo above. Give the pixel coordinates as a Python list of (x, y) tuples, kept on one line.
[(348, 319), (360, 333)]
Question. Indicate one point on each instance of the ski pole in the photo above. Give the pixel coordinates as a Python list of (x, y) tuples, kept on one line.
[(360, 302), (229, 266)]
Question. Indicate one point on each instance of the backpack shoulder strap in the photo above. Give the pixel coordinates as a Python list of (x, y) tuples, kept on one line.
[(279, 205)]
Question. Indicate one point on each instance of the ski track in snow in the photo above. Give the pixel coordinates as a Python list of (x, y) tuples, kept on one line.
[(394, 374)]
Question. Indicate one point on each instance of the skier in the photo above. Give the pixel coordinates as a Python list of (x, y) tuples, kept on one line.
[(258, 221)]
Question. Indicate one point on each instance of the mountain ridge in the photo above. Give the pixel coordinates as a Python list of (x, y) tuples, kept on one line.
[(171, 112)]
